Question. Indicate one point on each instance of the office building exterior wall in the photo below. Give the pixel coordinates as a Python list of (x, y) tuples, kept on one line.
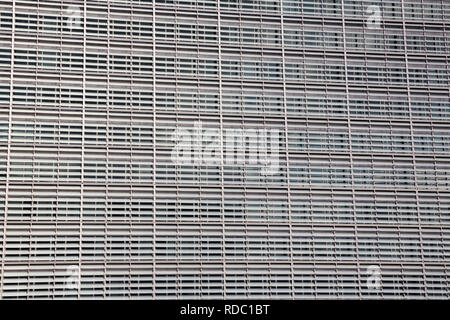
[(225, 149)]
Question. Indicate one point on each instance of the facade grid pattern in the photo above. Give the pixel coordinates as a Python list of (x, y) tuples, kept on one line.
[(91, 93)]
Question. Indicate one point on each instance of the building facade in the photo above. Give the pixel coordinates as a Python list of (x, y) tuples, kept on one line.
[(225, 149)]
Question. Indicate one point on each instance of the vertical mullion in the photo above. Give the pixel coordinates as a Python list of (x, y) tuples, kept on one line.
[(154, 149), (8, 156), (411, 129), (350, 155), (286, 146), (222, 162), (80, 252), (107, 167)]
